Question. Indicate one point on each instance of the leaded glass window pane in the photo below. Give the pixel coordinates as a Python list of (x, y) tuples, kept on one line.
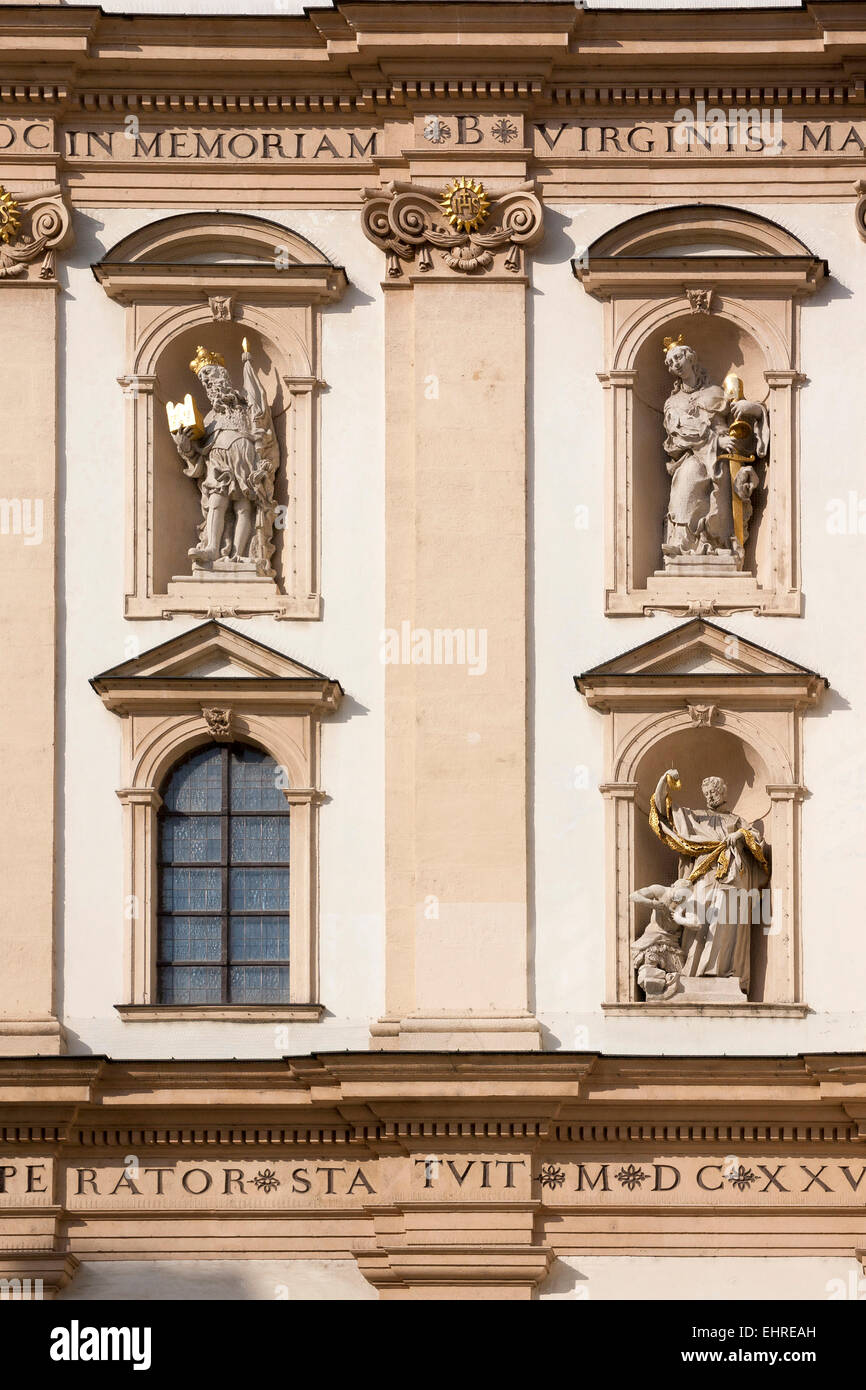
[(259, 890), (190, 938), (223, 928), (249, 984), (259, 938), (190, 840), (189, 984), (260, 839), (256, 781), (191, 890), (197, 784)]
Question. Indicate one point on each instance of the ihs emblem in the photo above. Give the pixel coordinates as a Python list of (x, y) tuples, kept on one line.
[(10, 216), (465, 204)]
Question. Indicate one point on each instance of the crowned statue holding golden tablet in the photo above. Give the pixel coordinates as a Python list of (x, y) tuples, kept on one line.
[(234, 455)]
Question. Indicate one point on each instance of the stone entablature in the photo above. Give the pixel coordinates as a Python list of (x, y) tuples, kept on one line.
[(435, 1174), (526, 102)]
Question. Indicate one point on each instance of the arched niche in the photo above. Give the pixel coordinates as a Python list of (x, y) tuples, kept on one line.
[(708, 703), (215, 279), (732, 283)]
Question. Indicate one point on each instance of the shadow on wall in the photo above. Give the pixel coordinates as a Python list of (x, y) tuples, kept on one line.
[(168, 1280)]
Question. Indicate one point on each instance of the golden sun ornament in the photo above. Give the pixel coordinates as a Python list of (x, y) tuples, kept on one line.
[(465, 204), (10, 216)]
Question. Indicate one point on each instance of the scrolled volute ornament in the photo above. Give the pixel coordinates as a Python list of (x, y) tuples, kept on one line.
[(860, 209), (30, 228), (463, 222)]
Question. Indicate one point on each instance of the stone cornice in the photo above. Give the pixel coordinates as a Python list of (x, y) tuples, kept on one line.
[(377, 1099), (359, 57)]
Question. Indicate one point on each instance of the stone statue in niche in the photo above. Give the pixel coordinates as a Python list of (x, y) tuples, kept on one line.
[(234, 455), (714, 439), (657, 954), (696, 947)]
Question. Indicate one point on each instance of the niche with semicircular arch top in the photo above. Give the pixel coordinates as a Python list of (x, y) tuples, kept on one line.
[(732, 283), (214, 279), (706, 702)]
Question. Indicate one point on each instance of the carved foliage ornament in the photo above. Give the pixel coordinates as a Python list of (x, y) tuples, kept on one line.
[(48, 228), (462, 221)]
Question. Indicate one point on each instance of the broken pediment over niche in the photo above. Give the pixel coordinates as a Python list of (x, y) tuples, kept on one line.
[(702, 719), (222, 377), (702, 373)]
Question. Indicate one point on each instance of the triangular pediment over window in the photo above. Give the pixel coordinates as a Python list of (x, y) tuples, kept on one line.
[(213, 660), (698, 656)]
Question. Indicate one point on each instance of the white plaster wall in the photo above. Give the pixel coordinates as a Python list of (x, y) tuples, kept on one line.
[(345, 645), (334, 1281), (731, 1278), (571, 634)]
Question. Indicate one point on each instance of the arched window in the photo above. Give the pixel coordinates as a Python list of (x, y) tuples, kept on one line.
[(223, 929)]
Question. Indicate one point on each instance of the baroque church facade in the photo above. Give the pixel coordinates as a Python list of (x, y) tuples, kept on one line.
[(432, 507)]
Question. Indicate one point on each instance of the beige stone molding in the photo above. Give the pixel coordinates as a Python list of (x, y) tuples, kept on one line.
[(164, 698), (343, 58), (228, 1013), (442, 1176), (749, 284), (33, 226), (32, 229), (754, 740), (269, 286), (485, 1253), (324, 103), (31, 1276), (408, 222), (457, 912)]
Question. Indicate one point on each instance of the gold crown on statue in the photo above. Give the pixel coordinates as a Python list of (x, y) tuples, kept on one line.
[(668, 343), (205, 358)]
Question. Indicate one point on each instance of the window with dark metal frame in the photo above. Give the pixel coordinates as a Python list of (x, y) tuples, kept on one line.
[(223, 921)]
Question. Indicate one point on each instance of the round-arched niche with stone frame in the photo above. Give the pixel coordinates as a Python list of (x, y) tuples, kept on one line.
[(730, 283), (194, 287), (691, 705)]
